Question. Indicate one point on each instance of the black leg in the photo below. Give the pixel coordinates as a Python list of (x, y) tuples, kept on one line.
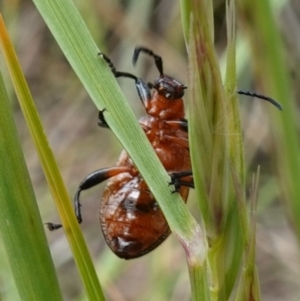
[(113, 69), (91, 180), (144, 92), (101, 119), (183, 124), (176, 180), (157, 59), (52, 227), (143, 89)]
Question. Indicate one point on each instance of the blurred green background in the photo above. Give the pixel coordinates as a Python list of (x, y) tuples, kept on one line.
[(80, 146)]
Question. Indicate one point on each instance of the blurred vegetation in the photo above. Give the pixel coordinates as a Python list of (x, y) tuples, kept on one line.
[(70, 120)]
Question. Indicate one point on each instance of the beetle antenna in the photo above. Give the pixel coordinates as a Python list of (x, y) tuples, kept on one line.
[(157, 59), (267, 98), (113, 69)]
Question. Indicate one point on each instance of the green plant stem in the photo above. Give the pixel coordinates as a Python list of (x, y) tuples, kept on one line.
[(216, 146)]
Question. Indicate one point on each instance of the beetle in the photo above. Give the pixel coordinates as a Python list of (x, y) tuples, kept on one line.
[(131, 220)]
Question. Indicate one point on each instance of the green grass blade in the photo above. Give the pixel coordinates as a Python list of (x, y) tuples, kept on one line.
[(74, 39), (20, 222), (207, 125), (50, 169)]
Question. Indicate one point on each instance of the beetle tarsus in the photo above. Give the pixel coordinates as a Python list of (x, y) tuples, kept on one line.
[(101, 119), (77, 206), (113, 69), (53, 227)]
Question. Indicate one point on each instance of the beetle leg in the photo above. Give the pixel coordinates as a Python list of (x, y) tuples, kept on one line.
[(177, 181), (157, 59), (113, 69), (52, 227), (91, 180), (144, 91), (182, 124), (101, 119)]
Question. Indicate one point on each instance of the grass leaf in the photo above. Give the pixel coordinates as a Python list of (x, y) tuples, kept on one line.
[(50, 169), (20, 222)]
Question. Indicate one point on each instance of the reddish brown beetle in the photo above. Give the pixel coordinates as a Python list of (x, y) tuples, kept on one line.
[(131, 220)]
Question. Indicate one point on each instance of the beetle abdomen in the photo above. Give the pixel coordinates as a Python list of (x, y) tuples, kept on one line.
[(131, 219)]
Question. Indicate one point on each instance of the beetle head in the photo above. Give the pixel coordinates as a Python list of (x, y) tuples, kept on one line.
[(169, 87)]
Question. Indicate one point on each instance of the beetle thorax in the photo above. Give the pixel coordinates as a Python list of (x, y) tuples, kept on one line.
[(168, 109)]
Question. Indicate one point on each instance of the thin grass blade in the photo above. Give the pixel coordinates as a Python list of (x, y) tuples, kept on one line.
[(21, 227), (51, 171)]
